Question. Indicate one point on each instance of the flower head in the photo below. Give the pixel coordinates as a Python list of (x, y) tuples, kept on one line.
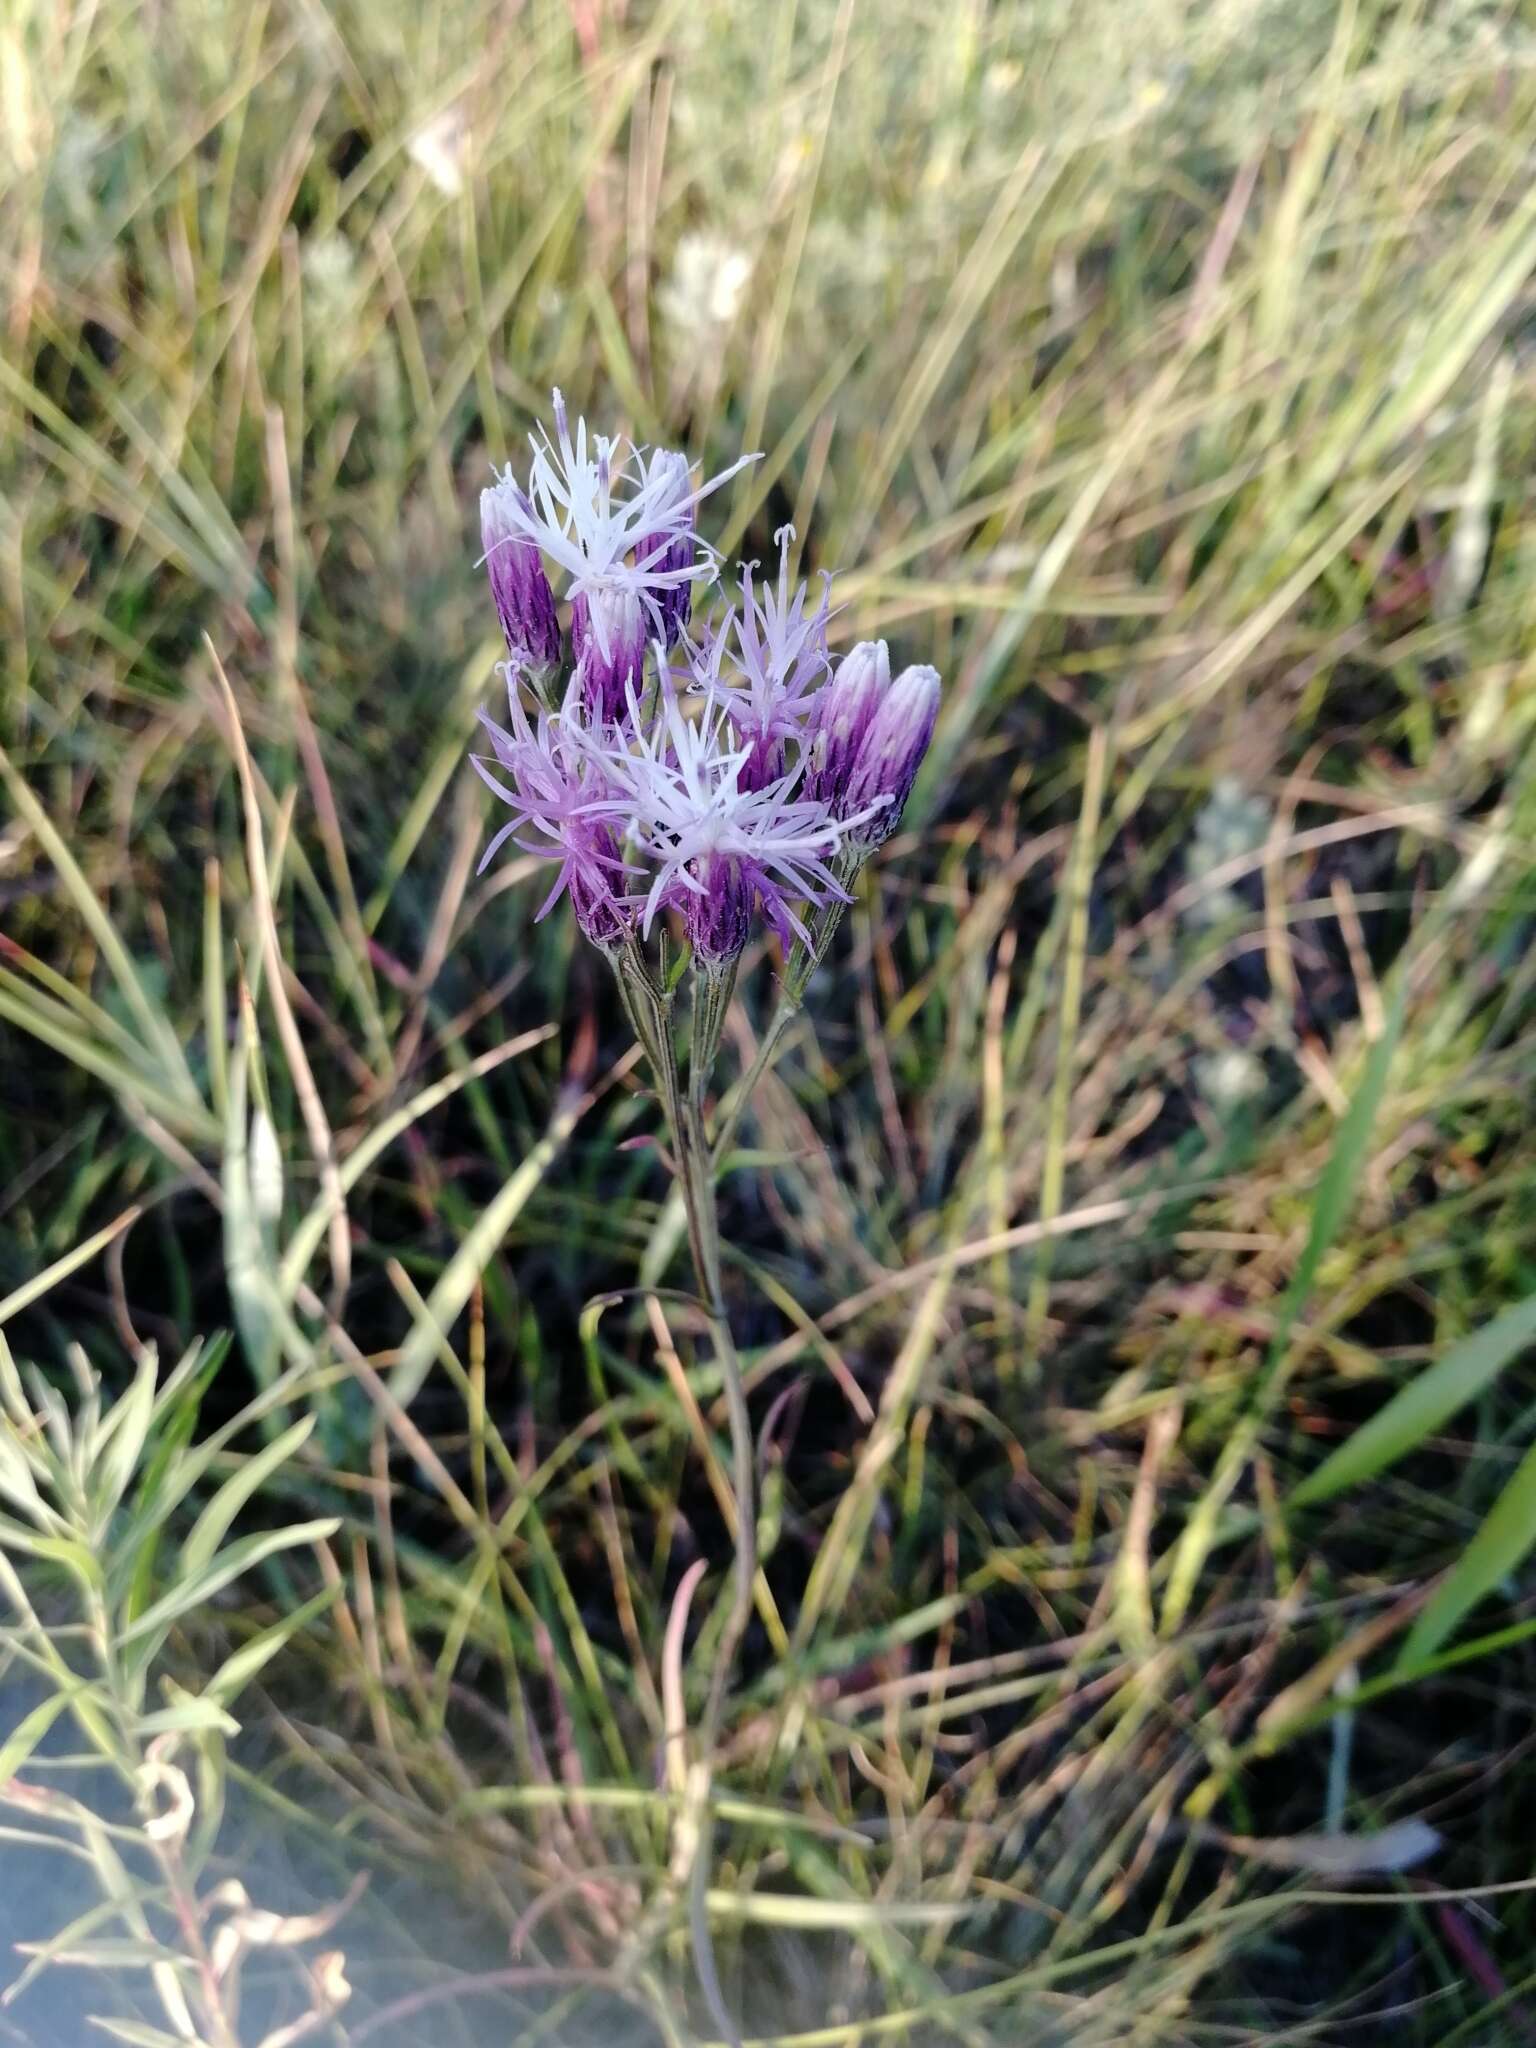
[(564, 808), (844, 715), (778, 665), (621, 527), (689, 812)]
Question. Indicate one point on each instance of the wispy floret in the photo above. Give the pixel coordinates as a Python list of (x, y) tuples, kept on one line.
[(690, 812), (564, 807), (778, 666)]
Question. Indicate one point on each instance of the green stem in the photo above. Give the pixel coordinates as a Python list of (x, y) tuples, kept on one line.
[(651, 1011), (803, 961)]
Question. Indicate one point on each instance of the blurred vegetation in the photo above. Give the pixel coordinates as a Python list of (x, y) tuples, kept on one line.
[(1158, 1141)]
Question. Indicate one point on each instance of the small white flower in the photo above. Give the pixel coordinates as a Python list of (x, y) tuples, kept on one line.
[(441, 149), (704, 293)]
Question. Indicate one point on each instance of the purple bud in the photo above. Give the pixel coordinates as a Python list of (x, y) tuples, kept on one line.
[(669, 549), (719, 921), (524, 600), (891, 752), (608, 636), (843, 716)]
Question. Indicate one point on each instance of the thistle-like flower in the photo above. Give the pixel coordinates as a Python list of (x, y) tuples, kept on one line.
[(702, 832), (844, 714), (564, 808), (762, 804), (755, 793), (623, 531), (889, 757), (781, 663)]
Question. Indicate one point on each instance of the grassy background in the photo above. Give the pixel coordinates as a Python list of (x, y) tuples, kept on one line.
[(1162, 375)]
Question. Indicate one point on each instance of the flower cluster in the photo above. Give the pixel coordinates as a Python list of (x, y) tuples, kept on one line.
[(728, 770)]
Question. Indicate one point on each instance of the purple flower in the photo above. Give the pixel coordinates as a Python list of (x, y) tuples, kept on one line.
[(621, 527), (564, 808), (524, 600), (718, 916), (889, 756), (844, 714), (688, 811), (608, 638), (753, 793), (667, 555), (781, 663)]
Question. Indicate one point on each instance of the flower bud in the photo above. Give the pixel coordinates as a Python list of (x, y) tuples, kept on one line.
[(890, 754), (718, 921), (608, 636), (843, 717), (670, 549), (524, 600)]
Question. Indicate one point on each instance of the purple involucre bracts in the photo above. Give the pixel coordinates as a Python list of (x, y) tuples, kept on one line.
[(718, 919), (844, 714), (608, 639), (525, 603), (670, 551), (889, 756)]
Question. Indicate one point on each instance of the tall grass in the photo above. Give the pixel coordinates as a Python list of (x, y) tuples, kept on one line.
[(1163, 1117)]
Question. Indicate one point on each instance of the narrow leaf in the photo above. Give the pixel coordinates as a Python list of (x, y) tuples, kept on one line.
[(216, 1519), (1417, 1410), (79, 1255), (123, 1435), (227, 1566), (29, 1732), (1507, 1533), (238, 1669), (140, 2036), (191, 1716)]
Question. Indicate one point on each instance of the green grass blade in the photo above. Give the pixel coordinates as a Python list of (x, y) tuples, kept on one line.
[(1505, 1537), (1419, 1409)]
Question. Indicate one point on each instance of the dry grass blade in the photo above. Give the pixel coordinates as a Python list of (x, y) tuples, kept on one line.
[(322, 1144)]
